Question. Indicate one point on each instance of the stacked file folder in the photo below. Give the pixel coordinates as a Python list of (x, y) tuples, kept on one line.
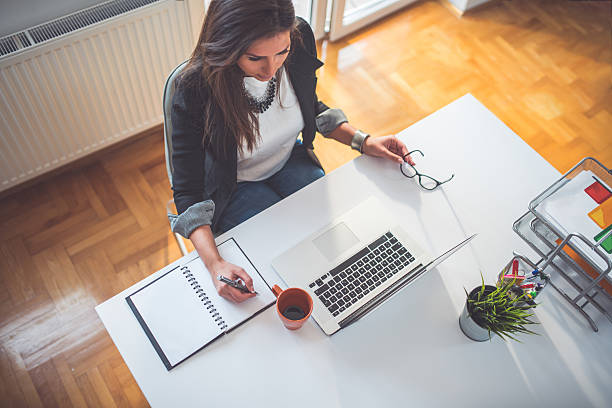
[(569, 226)]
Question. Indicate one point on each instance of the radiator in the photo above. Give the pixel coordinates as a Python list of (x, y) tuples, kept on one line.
[(83, 82)]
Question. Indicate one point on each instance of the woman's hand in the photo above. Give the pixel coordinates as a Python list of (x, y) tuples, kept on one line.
[(232, 272), (388, 147), (204, 242)]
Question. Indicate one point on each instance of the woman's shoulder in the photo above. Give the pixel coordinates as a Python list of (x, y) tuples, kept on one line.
[(303, 26), (306, 35), (190, 86)]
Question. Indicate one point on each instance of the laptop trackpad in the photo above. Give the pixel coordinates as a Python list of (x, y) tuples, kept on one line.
[(335, 241)]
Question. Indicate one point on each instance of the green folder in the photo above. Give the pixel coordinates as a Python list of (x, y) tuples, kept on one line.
[(607, 244)]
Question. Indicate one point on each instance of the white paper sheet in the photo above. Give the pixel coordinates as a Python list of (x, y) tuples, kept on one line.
[(567, 209)]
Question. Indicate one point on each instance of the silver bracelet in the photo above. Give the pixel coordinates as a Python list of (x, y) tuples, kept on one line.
[(358, 139)]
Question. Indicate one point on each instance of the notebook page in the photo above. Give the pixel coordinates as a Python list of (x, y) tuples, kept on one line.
[(176, 316), (235, 313)]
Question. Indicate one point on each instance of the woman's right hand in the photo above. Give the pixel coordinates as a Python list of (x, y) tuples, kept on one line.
[(232, 272), (204, 242)]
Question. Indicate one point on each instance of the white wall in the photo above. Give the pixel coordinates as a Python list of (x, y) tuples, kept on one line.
[(17, 15)]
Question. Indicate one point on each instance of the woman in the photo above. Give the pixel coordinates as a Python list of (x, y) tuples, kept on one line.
[(246, 94)]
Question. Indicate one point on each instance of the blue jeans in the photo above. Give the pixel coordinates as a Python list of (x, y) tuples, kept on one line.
[(251, 197)]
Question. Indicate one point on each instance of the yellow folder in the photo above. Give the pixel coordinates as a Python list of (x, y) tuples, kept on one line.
[(602, 214)]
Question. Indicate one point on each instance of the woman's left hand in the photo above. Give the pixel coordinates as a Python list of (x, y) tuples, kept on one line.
[(388, 147)]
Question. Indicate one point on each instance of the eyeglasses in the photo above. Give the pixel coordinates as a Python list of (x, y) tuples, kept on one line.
[(427, 182)]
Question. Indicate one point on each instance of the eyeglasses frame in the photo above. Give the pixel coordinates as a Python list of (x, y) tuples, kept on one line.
[(417, 173)]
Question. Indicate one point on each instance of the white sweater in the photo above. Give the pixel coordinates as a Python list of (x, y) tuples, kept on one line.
[(279, 128)]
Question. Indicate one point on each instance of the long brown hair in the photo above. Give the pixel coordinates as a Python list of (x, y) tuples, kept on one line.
[(229, 29)]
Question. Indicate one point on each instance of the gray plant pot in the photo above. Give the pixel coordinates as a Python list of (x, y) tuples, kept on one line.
[(469, 327)]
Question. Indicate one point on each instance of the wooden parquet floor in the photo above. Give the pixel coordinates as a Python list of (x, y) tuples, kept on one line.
[(73, 240), (543, 67)]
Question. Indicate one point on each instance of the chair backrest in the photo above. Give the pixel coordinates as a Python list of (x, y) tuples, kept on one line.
[(169, 89)]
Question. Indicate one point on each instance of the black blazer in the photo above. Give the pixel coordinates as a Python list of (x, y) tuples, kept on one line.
[(199, 173)]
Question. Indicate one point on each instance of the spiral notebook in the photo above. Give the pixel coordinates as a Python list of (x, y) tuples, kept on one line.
[(181, 312)]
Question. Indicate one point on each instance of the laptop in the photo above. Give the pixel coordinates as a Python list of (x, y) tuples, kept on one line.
[(354, 264)]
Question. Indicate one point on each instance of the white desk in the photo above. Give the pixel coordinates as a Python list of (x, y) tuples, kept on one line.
[(410, 351)]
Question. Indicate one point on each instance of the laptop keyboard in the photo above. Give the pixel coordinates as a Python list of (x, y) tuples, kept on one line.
[(360, 274)]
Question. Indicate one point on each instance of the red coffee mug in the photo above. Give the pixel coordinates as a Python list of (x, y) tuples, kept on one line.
[(295, 303)]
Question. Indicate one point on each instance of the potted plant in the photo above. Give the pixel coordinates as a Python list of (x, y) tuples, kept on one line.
[(495, 310)]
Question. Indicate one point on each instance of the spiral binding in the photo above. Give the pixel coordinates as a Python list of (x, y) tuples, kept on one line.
[(202, 296)]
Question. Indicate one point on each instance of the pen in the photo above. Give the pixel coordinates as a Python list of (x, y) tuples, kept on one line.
[(235, 284), (534, 275), (515, 277)]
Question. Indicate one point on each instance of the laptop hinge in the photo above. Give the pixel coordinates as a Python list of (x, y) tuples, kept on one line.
[(383, 296)]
